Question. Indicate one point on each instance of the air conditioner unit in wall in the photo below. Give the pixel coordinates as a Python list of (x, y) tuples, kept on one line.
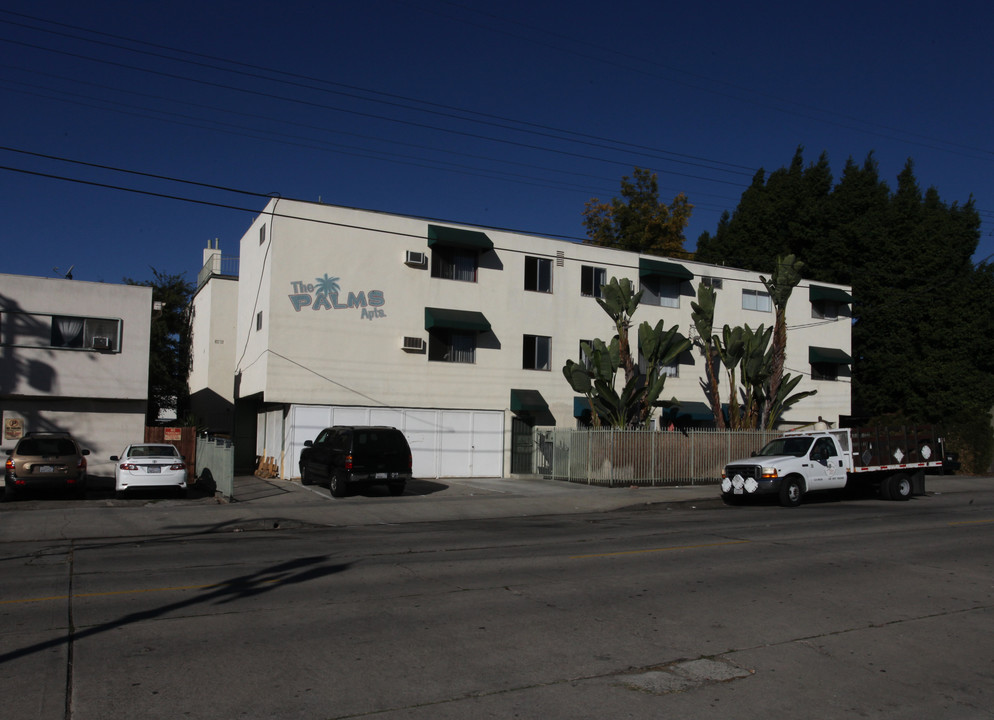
[(414, 344), (100, 343), (416, 257)]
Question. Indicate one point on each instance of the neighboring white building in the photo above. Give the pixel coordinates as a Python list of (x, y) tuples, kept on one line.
[(214, 308), (74, 358), (458, 335)]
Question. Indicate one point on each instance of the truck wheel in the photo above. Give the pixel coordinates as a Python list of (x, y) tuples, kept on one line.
[(337, 485), (396, 489), (898, 487), (790, 492), (305, 477)]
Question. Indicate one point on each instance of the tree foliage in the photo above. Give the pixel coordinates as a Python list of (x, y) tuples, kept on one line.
[(922, 344), (169, 344), (638, 220)]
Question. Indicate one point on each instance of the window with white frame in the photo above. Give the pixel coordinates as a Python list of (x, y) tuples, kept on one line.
[(591, 280), (824, 371), (454, 263), (758, 300), (711, 282), (445, 345), (825, 309), (538, 274), (586, 361), (660, 290), (536, 353), (670, 370)]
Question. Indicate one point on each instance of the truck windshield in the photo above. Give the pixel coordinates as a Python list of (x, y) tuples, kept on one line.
[(796, 446)]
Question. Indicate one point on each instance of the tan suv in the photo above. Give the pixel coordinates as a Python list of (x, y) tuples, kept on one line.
[(45, 460)]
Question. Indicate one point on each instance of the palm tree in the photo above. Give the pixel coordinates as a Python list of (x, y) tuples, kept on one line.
[(327, 285)]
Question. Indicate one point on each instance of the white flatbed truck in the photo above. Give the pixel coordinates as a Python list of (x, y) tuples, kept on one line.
[(892, 460)]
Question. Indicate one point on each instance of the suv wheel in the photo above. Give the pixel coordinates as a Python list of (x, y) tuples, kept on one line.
[(338, 485), (396, 488)]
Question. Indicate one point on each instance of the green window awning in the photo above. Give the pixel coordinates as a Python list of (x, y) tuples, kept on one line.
[(828, 356), (581, 407), (528, 401), (455, 319), (473, 239), (817, 292), (659, 268), (695, 410)]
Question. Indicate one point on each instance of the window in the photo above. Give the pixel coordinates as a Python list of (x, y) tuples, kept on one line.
[(711, 282), (258, 320), (660, 290), (823, 450), (591, 280), (586, 361), (671, 370), (824, 309), (538, 274), (536, 354), (67, 332), (824, 371), (445, 345), (262, 234), (756, 300), (22, 329), (453, 263)]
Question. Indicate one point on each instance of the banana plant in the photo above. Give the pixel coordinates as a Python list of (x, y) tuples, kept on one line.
[(620, 301), (702, 315)]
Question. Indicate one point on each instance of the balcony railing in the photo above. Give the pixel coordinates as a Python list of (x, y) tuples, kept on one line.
[(217, 266)]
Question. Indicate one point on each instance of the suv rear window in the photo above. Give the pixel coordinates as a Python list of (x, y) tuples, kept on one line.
[(383, 441), (46, 446)]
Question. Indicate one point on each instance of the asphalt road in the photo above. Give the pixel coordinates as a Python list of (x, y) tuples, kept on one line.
[(855, 608)]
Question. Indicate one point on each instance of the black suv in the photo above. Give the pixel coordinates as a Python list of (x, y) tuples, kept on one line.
[(45, 460), (350, 455)]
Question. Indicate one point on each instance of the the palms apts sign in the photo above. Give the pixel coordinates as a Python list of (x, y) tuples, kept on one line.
[(324, 294)]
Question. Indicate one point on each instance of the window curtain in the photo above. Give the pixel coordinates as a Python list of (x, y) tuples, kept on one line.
[(67, 332)]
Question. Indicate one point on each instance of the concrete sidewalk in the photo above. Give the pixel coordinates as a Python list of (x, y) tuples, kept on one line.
[(278, 504)]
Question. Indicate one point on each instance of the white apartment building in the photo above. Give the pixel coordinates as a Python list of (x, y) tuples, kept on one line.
[(74, 358), (458, 335)]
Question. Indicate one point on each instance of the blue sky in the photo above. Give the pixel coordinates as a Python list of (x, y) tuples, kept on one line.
[(508, 114)]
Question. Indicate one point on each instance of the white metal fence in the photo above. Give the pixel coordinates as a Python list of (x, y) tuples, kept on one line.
[(613, 458)]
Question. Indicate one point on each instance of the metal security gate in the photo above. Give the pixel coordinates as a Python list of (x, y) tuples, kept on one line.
[(216, 465)]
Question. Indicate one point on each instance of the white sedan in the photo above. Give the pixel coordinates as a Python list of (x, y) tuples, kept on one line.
[(148, 465)]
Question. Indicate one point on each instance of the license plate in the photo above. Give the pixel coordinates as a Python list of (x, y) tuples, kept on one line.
[(153, 469), (45, 468), (382, 476)]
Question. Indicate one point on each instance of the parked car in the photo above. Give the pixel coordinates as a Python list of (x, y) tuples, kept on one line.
[(45, 460), (348, 456), (149, 465)]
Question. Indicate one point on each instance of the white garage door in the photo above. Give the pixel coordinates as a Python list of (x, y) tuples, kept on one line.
[(444, 443)]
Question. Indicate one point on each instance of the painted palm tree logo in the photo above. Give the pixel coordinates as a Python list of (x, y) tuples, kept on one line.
[(327, 285)]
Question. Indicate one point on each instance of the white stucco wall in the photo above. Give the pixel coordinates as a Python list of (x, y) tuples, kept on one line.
[(353, 356), (215, 309), (310, 353), (98, 396)]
